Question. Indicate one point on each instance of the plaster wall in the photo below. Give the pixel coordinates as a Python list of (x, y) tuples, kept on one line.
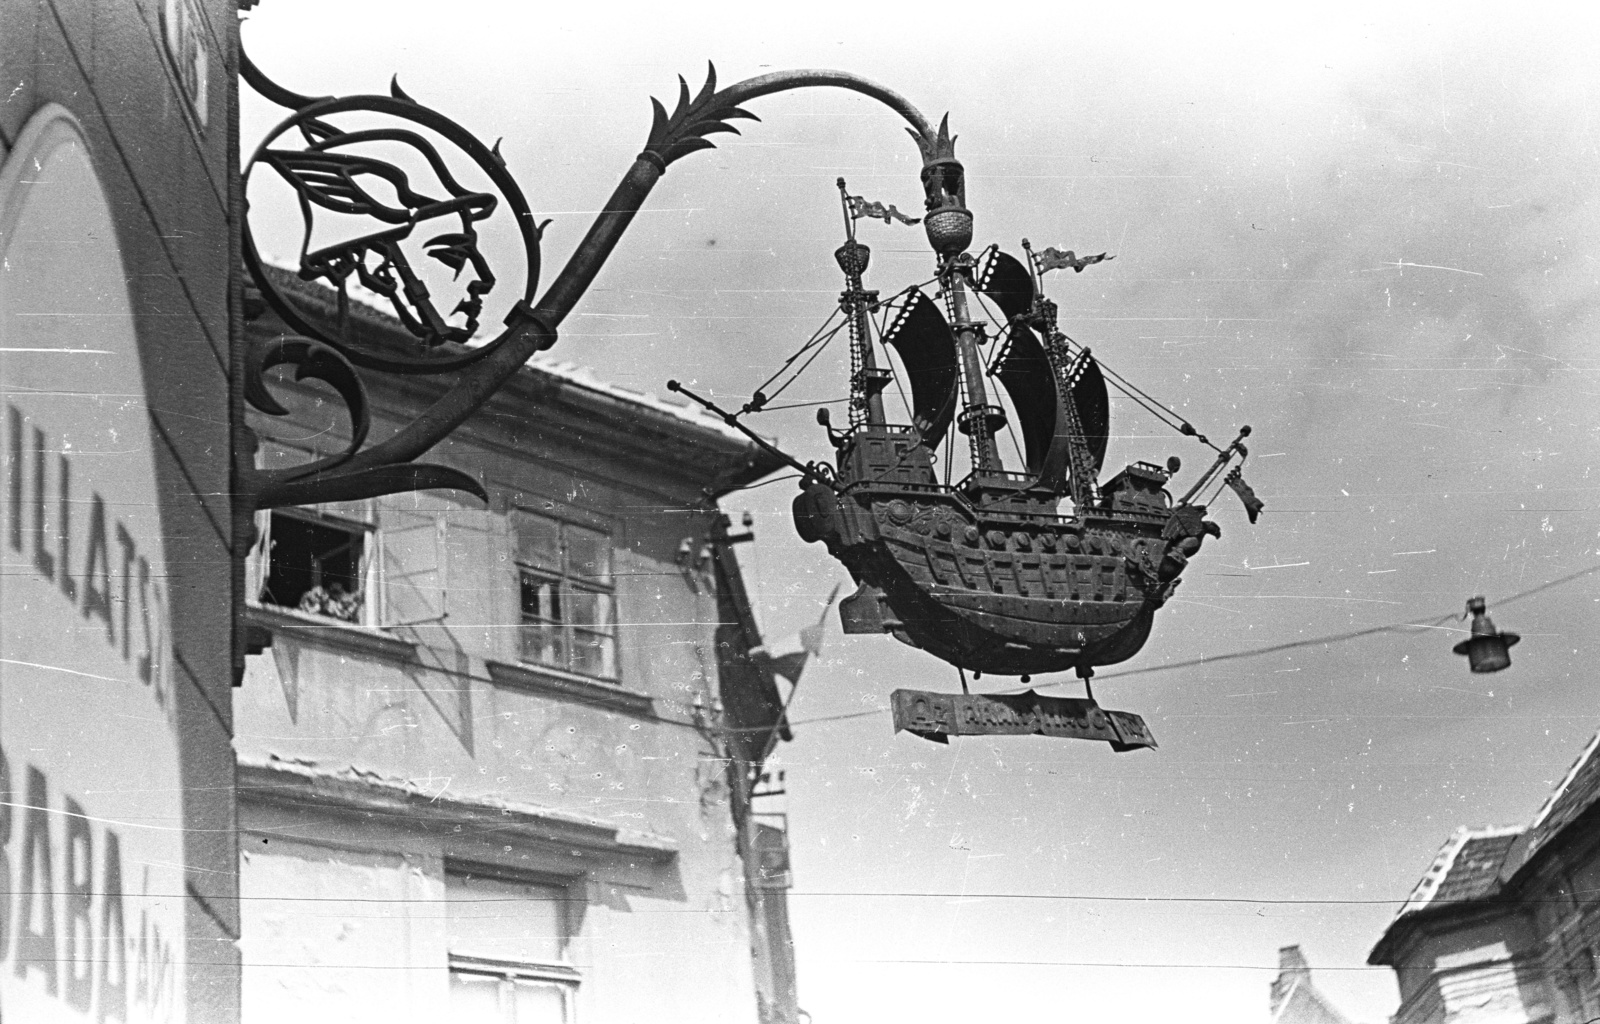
[(442, 710), (341, 932)]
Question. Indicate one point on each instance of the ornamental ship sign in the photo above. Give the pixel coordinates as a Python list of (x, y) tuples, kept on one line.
[(952, 551)]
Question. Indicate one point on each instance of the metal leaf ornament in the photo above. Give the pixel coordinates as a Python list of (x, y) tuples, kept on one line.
[(310, 359), (368, 483), (684, 132), (940, 145), (318, 362), (320, 480)]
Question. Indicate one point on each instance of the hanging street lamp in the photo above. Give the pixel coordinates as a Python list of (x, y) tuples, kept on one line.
[(1487, 649)]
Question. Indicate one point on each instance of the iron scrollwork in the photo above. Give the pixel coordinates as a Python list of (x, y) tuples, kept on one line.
[(404, 179)]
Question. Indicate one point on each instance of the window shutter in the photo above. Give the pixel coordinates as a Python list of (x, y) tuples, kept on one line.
[(257, 562), (412, 574), (473, 593)]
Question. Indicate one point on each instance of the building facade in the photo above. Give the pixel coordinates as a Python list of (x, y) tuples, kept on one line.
[(483, 768), (1504, 928), (118, 863)]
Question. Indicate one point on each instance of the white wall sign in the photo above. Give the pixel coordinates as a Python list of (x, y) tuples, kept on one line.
[(91, 826)]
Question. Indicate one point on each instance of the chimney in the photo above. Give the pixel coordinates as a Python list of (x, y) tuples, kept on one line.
[(1292, 968)]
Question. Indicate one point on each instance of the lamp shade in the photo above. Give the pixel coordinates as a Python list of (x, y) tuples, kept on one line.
[(1487, 649)]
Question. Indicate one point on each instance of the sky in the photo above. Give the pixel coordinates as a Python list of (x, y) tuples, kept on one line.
[(1370, 234)]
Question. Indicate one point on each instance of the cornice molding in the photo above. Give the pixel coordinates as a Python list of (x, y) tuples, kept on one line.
[(368, 795), (548, 682)]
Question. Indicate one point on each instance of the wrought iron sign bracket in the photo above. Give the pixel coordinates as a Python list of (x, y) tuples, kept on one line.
[(339, 165)]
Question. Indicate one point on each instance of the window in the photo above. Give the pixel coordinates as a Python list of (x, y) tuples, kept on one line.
[(567, 601), (494, 997), (316, 565), (508, 950)]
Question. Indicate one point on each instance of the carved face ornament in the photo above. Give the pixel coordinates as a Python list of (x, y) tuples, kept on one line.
[(332, 175)]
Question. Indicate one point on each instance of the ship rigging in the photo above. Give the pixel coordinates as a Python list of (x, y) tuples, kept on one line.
[(988, 572)]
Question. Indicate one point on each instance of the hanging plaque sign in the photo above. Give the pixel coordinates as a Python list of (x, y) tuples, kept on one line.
[(938, 716)]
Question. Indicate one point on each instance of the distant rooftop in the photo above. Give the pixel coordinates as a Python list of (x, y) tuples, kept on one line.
[(1467, 868), (1478, 863), (1575, 794), (1294, 998)]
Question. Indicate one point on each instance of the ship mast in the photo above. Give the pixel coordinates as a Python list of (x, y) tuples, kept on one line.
[(949, 227), (979, 419), (1082, 470), (867, 378)]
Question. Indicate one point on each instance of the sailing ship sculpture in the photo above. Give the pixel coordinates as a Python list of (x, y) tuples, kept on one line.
[(986, 572)]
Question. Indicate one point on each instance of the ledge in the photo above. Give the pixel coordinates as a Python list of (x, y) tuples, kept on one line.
[(294, 785), (326, 632), (521, 968), (567, 686)]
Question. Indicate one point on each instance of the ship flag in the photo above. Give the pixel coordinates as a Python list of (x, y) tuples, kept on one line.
[(860, 206), (1252, 504), (1054, 259), (788, 657)]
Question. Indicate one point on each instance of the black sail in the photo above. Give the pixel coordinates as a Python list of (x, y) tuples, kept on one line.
[(1007, 283), (1030, 380), (1026, 371), (1094, 408), (927, 349)]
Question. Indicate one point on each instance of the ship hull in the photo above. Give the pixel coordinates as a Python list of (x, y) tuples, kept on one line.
[(1011, 594)]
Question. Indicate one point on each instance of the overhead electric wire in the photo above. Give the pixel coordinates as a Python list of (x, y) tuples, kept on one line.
[(1255, 652), (1096, 963), (335, 966), (1339, 637), (1564, 899)]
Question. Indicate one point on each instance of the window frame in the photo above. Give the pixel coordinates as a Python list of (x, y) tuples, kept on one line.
[(564, 580), (560, 972), (508, 974), (366, 573)]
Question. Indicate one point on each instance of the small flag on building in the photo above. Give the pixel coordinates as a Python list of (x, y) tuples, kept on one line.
[(788, 657), (1055, 259), (1252, 504), (863, 207)]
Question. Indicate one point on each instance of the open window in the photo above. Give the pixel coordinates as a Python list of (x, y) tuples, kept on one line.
[(315, 564)]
